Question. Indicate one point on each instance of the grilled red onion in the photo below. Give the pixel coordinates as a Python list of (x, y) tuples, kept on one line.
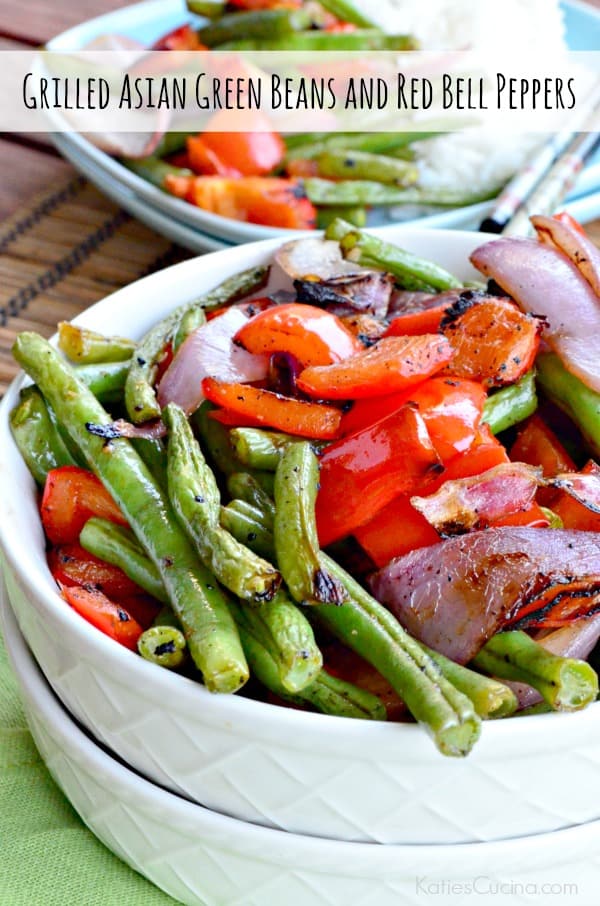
[(320, 258), (575, 245), (209, 352), (543, 281), (456, 594)]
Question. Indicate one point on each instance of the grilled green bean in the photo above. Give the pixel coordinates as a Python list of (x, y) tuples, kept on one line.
[(271, 24), (210, 631), (572, 396), (118, 545), (173, 142), (154, 455), (360, 39), (409, 270), (286, 634), (509, 406), (325, 693), (163, 645), (212, 9), (373, 632), (346, 11), (105, 380), (373, 142), (154, 170), (244, 522), (86, 347), (140, 398), (491, 699), (196, 499), (566, 684), (37, 436), (295, 528), (257, 448), (354, 192), (364, 165), (355, 217), (190, 321), (243, 486)]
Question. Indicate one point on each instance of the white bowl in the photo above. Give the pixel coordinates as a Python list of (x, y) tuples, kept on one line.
[(307, 773), (205, 859)]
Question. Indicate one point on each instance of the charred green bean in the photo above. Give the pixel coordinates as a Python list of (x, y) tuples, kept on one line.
[(86, 347), (37, 436)]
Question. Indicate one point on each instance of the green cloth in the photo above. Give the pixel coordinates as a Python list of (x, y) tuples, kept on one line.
[(47, 855)]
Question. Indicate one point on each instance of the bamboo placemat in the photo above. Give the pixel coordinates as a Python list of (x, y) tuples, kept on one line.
[(64, 251)]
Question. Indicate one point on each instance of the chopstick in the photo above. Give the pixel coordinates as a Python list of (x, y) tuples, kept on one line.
[(521, 187), (553, 187)]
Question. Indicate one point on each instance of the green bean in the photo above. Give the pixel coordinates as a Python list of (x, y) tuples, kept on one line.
[(286, 634), (566, 684), (571, 395), (373, 142), (196, 499), (364, 165), (408, 269), (490, 698), (373, 632), (166, 617), (86, 347), (360, 39), (353, 192), (163, 645), (154, 455), (370, 629), (243, 486), (346, 11), (154, 170), (190, 321), (295, 528), (140, 398), (37, 437), (210, 631), (212, 9), (118, 545), (325, 693), (173, 142), (271, 24), (509, 406), (257, 448), (244, 522), (105, 380), (356, 217)]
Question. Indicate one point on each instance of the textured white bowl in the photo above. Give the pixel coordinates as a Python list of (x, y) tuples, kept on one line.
[(307, 773), (205, 859)]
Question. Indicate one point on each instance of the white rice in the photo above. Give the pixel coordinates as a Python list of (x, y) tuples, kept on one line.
[(478, 159)]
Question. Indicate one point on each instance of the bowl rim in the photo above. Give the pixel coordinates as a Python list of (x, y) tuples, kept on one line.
[(356, 856), (561, 730)]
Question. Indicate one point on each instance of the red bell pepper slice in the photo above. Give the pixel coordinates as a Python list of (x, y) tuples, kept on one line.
[(537, 445), (304, 419), (234, 419), (574, 514), (395, 363), (493, 341), (71, 564), (71, 497), (313, 336), (451, 408), (206, 162), (182, 38), (244, 141), (270, 201), (425, 320), (361, 473), (110, 618)]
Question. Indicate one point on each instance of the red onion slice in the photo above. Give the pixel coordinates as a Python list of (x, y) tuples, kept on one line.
[(575, 245), (210, 352)]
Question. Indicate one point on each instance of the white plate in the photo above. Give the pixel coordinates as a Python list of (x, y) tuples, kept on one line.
[(205, 859), (149, 20)]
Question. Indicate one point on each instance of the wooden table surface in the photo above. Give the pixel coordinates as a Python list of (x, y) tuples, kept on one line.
[(30, 163)]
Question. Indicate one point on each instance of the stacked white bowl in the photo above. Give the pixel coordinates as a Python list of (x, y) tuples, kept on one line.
[(285, 806)]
